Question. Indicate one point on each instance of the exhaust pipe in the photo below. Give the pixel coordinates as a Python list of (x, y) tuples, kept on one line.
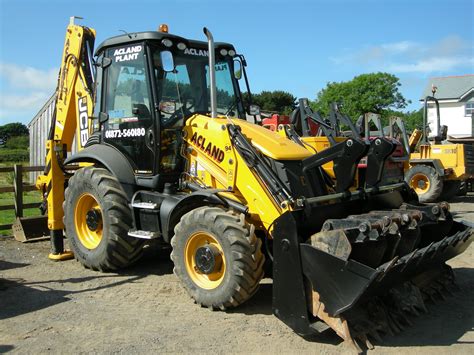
[(212, 72)]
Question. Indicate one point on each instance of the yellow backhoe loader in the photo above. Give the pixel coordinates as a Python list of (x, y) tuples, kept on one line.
[(165, 154)]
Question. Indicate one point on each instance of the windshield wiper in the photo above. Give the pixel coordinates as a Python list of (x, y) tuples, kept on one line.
[(234, 105)]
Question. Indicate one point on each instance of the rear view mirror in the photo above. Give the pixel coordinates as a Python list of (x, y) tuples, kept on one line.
[(237, 69), (254, 110), (167, 61)]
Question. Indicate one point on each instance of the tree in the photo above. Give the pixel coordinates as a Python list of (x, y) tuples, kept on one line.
[(13, 130), (277, 101), (414, 119), (374, 92), (18, 142)]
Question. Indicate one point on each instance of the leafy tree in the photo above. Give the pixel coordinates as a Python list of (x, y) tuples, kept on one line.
[(374, 92), (275, 101), (13, 130), (19, 142), (414, 119)]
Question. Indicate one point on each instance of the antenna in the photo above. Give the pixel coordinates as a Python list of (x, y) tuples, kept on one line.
[(128, 34)]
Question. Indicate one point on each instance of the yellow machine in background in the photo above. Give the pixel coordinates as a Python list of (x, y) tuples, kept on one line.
[(168, 157), (436, 170), (385, 155)]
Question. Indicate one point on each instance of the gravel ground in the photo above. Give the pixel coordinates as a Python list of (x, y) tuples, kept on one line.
[(48, 307)]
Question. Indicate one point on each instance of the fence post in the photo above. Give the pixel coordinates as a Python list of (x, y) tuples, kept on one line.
[(18, 185)]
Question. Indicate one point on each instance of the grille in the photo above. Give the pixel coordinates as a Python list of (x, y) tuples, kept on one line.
[(469, 155)]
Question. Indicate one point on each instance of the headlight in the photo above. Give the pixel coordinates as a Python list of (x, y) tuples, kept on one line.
[(232, 53), (181, 46), (223, 52), (167, 42)]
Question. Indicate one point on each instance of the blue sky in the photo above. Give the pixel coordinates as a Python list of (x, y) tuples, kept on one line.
[(297, 46)]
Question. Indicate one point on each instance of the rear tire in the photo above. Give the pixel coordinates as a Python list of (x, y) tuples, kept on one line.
[(237, 263), (451, 188), (99, 238), (425, 181)]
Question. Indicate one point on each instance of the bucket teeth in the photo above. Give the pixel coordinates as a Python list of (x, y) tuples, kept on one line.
[(391, 313)]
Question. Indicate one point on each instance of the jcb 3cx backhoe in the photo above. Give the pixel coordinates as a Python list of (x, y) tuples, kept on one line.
[(163, 155)]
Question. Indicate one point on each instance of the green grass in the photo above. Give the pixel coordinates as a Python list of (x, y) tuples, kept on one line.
[(7, 198)]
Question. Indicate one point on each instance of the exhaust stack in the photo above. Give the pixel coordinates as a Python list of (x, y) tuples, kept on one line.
[(212, 72)]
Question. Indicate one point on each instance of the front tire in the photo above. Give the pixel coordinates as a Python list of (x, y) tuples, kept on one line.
[(97, 219), (425, 181), (217, 257)]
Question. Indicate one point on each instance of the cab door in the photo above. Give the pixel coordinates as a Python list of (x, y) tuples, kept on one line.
[(127, 102)]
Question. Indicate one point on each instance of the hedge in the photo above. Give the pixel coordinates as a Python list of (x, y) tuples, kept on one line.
[(13, 155)]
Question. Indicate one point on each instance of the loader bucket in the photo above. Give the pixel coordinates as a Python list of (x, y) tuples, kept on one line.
[(314, 285), (30, 229)]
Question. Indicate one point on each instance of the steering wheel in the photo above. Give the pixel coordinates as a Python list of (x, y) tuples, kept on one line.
[(184, 111)]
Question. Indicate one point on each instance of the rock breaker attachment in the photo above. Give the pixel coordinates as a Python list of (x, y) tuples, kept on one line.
[(363, 275)]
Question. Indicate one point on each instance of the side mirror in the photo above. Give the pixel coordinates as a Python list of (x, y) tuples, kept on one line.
[(254, 110), (106, 61), (237, 69), (103, 117), (167, 61)]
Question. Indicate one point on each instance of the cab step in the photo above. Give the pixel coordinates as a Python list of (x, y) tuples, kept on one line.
[(141, 234), (146, 205)]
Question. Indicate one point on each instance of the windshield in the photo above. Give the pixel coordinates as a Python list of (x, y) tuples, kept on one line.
[(186, 90)]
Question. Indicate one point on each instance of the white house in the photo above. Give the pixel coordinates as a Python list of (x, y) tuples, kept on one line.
[(456, 100)]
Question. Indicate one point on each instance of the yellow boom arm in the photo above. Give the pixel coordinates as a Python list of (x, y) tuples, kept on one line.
[(71, 118)]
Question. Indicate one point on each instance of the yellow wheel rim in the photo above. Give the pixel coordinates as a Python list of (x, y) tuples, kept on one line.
[(89, 235), (420, 183), (210, 280)]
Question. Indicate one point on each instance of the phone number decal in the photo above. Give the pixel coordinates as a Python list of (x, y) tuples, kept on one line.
[(124, 133)]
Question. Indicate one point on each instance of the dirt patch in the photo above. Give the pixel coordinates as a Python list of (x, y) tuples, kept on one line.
[(64, 308)]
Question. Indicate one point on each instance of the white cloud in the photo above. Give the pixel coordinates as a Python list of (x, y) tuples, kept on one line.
[(28, 77), (23, 102), (447, 54), (24, 90), (441, 64), (398, 47)]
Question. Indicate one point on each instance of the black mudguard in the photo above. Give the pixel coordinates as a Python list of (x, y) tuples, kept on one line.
[(111, 158)]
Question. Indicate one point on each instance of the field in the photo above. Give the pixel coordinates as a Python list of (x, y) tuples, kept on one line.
[(48, 307)]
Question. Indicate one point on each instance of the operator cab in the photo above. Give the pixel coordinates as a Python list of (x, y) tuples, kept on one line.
[(147, 85)]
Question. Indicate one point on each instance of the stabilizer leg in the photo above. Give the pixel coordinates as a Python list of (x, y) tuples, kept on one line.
[(57, 247)]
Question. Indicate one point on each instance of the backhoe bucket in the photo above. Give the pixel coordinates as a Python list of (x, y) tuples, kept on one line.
[(318, 280), (31, 229)]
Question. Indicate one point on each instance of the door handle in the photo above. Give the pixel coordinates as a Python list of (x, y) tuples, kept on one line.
[(150, 139)]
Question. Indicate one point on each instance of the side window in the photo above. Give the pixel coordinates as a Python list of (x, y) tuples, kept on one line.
[(127, 103), (469, 109)]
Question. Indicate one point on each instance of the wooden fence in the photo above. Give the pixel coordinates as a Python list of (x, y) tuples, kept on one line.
[(18, 189)]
